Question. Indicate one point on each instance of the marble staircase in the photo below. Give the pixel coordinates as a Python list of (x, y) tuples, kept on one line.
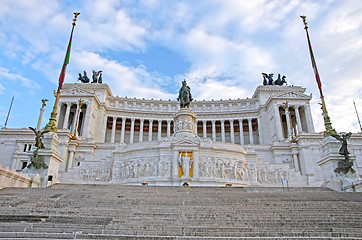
[(145, 212)]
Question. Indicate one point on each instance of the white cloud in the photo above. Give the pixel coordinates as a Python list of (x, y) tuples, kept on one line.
[(6, 75), (123, 80)]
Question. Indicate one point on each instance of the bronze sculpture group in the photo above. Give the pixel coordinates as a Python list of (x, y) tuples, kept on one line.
[(96, 77), (268, 79)]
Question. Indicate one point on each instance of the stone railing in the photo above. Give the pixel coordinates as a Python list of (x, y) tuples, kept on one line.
[(133, 104), (12, 178)]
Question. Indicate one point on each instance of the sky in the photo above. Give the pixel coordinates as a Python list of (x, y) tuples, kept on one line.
[(145, 48)]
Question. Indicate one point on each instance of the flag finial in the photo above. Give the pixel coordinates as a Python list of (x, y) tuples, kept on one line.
[(75, 17), (304, 21)]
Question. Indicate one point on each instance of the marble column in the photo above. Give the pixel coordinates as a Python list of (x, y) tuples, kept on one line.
[(251, 137), (132, 131), (204, 131), (168, 128), (86, 120), (140, 138), (104, 131), (278, 122), (66, 117), (289, 129), (222, 130), (159, 129), (261, 141), (150, 130), (232, 137), (40, 118), (213, 130), (241, 132), (123, 129), (113, 129), (75, 118), (297, 116), (308, 117)]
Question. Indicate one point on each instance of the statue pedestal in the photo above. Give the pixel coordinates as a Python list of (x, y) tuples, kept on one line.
[(51, 157), (185, 123), (329, 161)]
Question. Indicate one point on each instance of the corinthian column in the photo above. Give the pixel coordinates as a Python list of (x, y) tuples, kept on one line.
[(123, 129), (232, 137), (213, 130), (241, 132), (132, 131), (297, 116), (251, 137), (204, 133), (140, 139), (66, 117), (113, 129), (150, 130), (222, 130)]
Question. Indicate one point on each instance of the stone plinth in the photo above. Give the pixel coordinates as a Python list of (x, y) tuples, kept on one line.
[(185, 123), (329, 161), (51, 157)]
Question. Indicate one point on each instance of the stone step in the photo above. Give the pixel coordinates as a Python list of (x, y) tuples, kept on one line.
[(79, 235)]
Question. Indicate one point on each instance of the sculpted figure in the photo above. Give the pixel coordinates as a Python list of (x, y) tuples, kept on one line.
[(271, 80), (279, 81), (343, 150), (84, 78), (38, 137), (184, 95), (344, 165), (265, 79), (95, 76)]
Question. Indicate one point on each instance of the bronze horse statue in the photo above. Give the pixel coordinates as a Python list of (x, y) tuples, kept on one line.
[(184, 95)]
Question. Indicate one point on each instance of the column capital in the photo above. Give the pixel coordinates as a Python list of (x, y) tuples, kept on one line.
[(142, 120), (204, 121), (222, 121)]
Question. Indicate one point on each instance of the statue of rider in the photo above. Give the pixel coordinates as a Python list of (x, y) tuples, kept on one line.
[(184, 95)]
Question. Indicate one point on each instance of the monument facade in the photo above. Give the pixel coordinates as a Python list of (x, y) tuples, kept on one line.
[(265, 140)]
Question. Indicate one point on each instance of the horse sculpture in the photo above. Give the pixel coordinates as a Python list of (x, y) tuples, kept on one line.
[(184, 95), (95, 76), (84, 78), (268, 79)]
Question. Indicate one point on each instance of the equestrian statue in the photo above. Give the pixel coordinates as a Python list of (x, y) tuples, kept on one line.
[(184, 95)]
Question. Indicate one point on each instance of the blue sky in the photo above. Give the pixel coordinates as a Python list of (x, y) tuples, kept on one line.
[(145, 48)]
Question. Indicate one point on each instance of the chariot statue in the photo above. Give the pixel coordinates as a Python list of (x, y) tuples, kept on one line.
[(95, 75), (84, 78), (184, 95)]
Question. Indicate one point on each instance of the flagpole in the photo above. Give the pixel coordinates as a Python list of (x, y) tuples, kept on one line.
[(327, 121), (11, 104), (51, 126), (357, 116)]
